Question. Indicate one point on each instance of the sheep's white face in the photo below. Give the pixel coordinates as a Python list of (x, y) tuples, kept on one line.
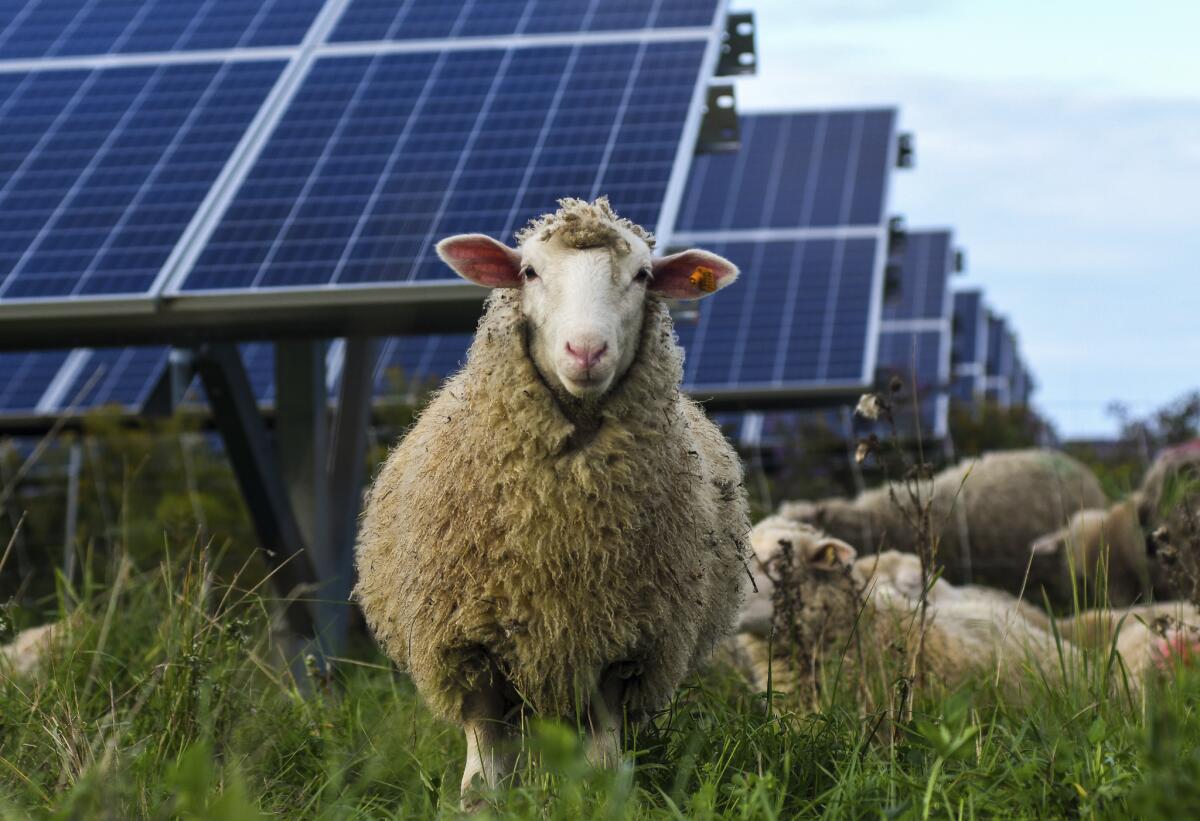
[(813, 555), (584, 306)]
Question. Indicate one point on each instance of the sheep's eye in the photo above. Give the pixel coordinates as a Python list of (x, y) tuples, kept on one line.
[(642, 275), (529, 273)]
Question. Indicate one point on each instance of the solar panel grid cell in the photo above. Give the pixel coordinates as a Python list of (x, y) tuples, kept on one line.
[(105, 168)]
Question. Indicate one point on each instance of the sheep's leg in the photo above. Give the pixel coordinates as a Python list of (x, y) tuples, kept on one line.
[(486, 731), (605, 715)]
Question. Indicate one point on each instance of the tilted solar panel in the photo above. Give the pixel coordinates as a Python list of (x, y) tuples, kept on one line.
[(794, 170), (919, 359), (379, 157), (969, 346), (915, 334), (923, 289), (68, 28), (799, 317), (435, 19), (101, 170), (115, 376), (24, 378)]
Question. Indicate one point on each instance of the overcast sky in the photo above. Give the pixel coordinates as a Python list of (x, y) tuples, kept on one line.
[(1061, 141)]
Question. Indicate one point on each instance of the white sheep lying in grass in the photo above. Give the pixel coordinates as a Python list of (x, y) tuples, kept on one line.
[(818, 611), (562, 530), (25, 653), (819, 616), (1100, 551), (986, 512)]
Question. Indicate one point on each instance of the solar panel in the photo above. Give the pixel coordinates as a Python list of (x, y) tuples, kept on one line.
[(24, 378), (800, 317), (800, 208), (67, 28), (969, 347), (360, 155), (379, 156), (794, 170), (915, 339), (101, 170), (115, 376), (1001, 355)]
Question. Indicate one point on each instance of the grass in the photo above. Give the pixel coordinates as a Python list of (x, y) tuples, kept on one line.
[(165, 701)]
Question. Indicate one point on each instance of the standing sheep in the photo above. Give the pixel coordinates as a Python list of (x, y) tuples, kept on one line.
[(985, 514), (562, 530)]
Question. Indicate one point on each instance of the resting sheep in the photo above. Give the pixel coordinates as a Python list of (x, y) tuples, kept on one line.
[(1123, 535), (1099, 551), (819, 605), (561, 530), (985, 513), (829, 614)]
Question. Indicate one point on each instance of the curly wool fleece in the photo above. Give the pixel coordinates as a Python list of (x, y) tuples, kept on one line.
[(500, 538)]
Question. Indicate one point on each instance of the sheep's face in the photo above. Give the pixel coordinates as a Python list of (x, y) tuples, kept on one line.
[(584, 305), (1084, 533), (792, 554)]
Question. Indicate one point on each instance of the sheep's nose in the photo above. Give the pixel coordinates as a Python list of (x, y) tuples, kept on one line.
[(587, 354)]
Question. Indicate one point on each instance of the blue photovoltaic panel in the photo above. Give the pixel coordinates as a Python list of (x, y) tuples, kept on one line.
[(999, 348), (921, 292), (916, 357), (435, 19), (116, 376), (378, 157), (69, 28), (101, 171), (969, 344), (798, 317), (417, 362), (798, 170), (24, 378)]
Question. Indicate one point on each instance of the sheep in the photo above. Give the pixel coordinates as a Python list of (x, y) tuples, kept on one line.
[(25, 653), (818, 604), (561, 530), (1169, 510), (1100, 551), (985, 513), (825, 612)]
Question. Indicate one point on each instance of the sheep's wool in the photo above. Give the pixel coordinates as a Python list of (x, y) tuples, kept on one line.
[(500, 539)]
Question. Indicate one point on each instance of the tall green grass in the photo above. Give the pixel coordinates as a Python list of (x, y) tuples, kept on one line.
[(166, 698)]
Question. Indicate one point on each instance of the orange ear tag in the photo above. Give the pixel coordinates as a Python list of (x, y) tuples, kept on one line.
[(704, 279)]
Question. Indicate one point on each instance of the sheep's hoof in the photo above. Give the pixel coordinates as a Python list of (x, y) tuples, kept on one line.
[(473, 794)]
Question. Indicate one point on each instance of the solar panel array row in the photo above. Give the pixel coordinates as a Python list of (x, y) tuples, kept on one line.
[(374, 156)]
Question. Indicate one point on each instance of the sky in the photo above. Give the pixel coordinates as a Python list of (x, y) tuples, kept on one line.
[(1061, 142)]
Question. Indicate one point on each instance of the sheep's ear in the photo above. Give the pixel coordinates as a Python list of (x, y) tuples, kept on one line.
[(482, 260), (691, 274), (832, 554), (1049, 544)]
